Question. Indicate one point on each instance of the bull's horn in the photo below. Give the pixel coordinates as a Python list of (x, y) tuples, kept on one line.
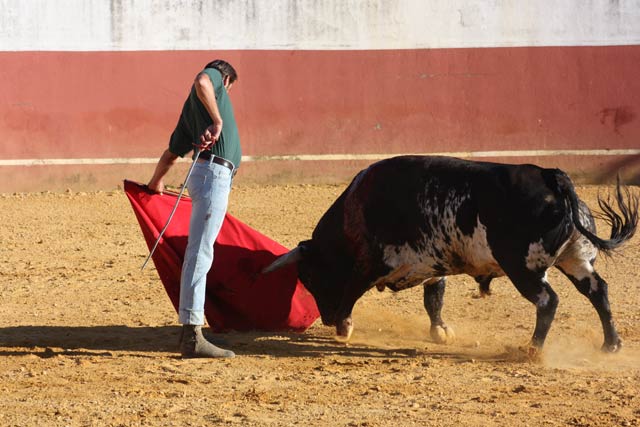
[(294, 255)]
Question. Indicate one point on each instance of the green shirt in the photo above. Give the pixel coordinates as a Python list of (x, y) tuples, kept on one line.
[(195, 119)]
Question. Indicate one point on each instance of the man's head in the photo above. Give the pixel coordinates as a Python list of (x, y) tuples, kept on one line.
[(229, 75)]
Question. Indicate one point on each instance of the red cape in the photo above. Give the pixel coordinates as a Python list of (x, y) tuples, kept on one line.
[(238, 296)]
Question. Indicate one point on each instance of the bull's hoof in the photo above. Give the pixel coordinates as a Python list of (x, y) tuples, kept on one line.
[(485, 293), (531, 352), (342, 339), (613, 347), (442, 334), (344, 329)]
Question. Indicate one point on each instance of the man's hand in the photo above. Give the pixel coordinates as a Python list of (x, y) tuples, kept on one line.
[(156, 186), (210, 136)]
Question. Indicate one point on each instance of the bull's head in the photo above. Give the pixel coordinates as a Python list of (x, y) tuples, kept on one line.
[(318, 274)]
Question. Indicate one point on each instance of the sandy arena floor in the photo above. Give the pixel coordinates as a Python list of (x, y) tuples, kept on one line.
[(86, 339)]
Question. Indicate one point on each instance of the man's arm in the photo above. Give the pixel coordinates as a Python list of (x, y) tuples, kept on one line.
[(206, 94), (167, 160)]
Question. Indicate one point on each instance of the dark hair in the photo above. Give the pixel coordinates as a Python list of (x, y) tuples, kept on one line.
[(225, 69)]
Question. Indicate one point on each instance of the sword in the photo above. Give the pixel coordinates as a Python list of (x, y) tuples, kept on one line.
[(184, 185)]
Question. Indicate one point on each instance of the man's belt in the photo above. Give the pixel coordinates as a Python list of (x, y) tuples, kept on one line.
[(210, 158)]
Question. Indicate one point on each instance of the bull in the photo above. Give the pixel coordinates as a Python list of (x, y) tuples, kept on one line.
[(413, 220)]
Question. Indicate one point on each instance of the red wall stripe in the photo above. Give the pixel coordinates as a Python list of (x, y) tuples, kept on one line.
[(125, 104)]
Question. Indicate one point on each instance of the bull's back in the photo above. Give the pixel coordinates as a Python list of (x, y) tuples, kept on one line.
[(404, 199), (449, 215)]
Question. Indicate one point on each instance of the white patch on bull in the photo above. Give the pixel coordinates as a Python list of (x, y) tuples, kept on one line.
[(584, 216), (446, 246), (575, 257), (538, 258), (478, 253), (580, 269), (543, 299)]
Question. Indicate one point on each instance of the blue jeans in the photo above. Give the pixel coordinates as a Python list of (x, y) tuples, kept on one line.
[(209, 187)]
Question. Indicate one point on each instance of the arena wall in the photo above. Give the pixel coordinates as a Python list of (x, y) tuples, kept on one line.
[(91, 90)]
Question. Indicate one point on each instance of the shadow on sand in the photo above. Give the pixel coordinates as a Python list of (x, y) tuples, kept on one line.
[(49, 341)]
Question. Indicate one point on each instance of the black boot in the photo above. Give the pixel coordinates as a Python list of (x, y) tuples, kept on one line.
[(194, 344)]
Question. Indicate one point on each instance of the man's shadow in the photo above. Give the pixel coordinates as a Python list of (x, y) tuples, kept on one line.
[(86, 340), (48, 341)]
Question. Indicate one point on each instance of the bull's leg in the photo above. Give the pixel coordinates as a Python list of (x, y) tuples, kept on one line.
[(535, 288), (484, 285), (591, 285), (433, 301)]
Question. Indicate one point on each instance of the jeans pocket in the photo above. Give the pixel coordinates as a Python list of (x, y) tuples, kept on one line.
[(198, 182)]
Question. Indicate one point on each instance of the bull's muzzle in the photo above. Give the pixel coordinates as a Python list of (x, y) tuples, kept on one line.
[(344, 328)]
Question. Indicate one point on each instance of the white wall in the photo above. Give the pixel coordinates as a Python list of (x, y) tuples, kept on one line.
[(97, 25)]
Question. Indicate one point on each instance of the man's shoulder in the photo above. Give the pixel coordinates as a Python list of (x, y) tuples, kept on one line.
[(214, 75)]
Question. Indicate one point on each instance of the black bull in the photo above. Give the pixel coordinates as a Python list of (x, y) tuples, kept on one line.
[(413, 220)]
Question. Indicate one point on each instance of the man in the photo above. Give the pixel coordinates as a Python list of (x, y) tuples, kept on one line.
[(206, 123)]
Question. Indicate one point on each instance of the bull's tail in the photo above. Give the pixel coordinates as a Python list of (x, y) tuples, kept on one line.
[(623, 224)]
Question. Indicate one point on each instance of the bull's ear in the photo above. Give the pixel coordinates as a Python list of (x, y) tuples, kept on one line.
[(294, 255)]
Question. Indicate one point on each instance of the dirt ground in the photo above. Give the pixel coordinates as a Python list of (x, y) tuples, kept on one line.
[(87, 339)]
